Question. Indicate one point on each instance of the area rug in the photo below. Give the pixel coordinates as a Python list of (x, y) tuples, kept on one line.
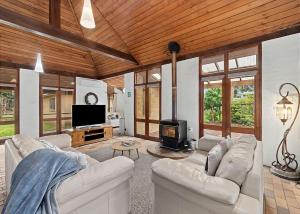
[(141, 187)]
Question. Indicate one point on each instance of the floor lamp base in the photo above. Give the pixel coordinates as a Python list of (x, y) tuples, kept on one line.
[(294, 176)]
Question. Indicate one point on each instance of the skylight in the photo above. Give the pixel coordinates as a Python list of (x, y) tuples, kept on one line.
[(232, 64), (246, 61), (221, 65), (208, 68)]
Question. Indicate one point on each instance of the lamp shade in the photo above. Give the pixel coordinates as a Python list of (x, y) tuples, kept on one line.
[(38, 64), (284, 109), (87, 17)]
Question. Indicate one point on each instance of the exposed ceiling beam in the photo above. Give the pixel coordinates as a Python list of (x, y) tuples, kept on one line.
[(24, 23), (54, 13), (281, 33)]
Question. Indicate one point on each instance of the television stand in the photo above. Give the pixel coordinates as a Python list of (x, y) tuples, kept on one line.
[(90, 134)]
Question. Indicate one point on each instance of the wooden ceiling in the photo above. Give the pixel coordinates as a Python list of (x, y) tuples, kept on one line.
[(116, 82), (142, 29)]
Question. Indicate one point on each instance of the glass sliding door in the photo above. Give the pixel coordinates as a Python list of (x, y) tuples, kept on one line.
[(147, 103)]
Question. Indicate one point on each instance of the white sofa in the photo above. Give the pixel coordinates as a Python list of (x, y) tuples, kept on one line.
[(182, 187), (102, 187)]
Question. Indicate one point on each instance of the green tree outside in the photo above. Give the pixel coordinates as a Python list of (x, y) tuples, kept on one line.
[(242, 106)]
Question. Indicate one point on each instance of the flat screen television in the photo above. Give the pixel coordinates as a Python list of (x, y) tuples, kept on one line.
[(87, 115)]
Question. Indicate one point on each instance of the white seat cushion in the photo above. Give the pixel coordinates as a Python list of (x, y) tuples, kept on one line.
[(207, 142), (198, 157), (236, 163)]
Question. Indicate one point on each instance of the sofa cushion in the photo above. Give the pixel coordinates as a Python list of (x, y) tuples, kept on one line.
[(77, 156), (60, 140), (30, 145), (207, 142), (237, 162), (249, 139), (20, 138), (90, 161), (214, 158), (198, 157)]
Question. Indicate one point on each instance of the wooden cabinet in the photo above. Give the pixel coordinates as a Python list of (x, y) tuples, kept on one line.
[(87, 135)]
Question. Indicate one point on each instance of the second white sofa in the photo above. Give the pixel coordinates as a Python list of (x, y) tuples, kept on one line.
[(183, 187)]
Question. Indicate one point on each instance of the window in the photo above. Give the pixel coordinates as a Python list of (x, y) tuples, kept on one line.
[(52, 104), (230, 95), (147, 103), (213, 64), (57, 98), (9, 99)]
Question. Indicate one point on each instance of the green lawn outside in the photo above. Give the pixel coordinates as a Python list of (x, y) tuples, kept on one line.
[(7, 130), (49, 126)]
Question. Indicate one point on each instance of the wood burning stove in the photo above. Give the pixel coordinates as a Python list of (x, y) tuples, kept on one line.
[(173, 132)]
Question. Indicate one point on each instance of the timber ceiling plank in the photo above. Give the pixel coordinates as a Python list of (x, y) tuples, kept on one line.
[(35, 9), (103, 33), (10, 18), (22, 48), (196, 25), (143, 28), (116, 82)]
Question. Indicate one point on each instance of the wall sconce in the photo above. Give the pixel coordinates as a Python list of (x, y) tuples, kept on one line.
[(286, 165)]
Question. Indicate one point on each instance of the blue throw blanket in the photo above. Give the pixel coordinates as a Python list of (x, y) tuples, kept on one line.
[(35, 181)]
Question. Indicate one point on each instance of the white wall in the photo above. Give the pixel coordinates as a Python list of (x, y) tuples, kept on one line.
[(29, 102), (129, 103), (166, 92), (280, 64), (187, 93), (84, 86), (120, 100)]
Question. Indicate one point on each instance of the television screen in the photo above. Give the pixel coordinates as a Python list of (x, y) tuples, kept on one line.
[(84, 115)]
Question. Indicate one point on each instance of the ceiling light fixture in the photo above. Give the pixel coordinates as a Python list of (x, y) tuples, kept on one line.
[(87, 17), (38, 64)]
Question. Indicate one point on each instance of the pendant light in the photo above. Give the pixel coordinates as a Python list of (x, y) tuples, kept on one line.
[(87, 17), (38, 64)]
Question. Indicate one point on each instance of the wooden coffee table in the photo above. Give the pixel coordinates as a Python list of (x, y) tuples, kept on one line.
[(118, 146)]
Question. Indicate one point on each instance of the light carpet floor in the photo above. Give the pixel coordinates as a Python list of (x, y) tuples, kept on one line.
[(141, 187)]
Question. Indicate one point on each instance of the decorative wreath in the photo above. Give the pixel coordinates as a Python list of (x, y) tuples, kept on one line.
[(89, 97)]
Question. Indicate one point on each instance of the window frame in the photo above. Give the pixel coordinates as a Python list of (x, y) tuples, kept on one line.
[(59, 90), (226, 128), (145, 84), (15, 86)]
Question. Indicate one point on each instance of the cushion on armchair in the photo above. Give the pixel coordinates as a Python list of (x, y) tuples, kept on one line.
[(237, 162), (214, 158), (207, 142)]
